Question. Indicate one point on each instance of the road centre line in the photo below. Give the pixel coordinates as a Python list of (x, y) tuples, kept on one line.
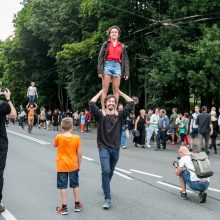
[(148, 174), (28, 137), (172, 186), (87, 158), (7, 215), (122, 170), (123, 175)]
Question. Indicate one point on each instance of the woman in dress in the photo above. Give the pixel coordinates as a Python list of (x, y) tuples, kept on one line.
[(140, 126)]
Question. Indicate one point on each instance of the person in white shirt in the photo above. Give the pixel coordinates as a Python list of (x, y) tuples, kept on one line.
[(32, 93), (186, 172), (153, 126), (194, 131)]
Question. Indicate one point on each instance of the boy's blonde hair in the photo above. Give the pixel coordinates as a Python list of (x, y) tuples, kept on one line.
[(67, 123)]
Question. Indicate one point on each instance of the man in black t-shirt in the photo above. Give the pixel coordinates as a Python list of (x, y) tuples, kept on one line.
[(6, 108), (109, 129), (205, 128)]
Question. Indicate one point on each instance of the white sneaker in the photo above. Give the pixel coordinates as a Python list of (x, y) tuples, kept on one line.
[(148, 146), (123, 147)]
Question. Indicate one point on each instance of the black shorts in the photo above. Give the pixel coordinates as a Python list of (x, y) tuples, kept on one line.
[(194, 133)]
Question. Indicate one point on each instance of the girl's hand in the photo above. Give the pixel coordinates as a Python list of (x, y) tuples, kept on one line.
[(125, 77), (100, 75)]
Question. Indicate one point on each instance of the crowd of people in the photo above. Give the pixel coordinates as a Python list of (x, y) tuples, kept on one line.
[(195, 128), (48, 119)]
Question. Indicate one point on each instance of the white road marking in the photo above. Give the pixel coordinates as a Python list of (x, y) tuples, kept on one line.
[(28, 137), (172, 186), (7, 215), (122, 170), (122, 175), (87, 158), (212, 189), (148, 174)]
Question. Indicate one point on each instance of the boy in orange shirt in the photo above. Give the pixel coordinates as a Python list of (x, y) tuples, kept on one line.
[(68, 160)]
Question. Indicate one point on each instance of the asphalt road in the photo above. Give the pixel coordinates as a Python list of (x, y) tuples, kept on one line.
[(143, 187)]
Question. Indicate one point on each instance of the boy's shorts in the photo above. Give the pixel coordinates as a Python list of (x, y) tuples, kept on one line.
[(194, 133), (112, 68), (62, 179)]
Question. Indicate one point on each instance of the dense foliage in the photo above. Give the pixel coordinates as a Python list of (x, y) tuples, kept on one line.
[(174, 51)]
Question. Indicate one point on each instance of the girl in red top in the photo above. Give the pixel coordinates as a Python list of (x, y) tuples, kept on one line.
[(112, 64)]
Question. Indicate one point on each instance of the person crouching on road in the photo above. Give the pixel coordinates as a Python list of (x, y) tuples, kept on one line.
[(186, 172), (68, 162)]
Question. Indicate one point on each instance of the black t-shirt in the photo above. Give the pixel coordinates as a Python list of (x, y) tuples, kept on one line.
[(109, 127), (4, 110), (204, 121)]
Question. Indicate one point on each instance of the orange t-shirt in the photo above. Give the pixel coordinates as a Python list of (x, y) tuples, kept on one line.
[(31, 113), (67, 159)]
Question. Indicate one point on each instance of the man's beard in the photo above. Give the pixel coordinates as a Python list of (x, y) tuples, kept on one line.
[(111, 107)]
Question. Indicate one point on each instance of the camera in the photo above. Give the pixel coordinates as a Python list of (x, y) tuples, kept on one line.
[(176, 162)]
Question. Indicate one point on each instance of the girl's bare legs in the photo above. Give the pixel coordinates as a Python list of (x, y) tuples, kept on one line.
[(115, 87), (105, 86)]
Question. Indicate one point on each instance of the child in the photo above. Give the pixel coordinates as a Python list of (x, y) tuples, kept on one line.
[(55, 120), (182, 128), (82, 120), (68, 162), (113, 64)]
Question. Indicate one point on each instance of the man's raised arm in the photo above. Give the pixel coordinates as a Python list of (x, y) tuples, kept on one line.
[(93, 107), (96, 97)]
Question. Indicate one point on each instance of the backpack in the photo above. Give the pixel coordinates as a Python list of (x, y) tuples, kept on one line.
[(202, 165)]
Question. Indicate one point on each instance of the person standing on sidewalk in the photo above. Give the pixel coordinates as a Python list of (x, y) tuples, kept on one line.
[(153, 126), (163, 126), (194, 127), (109, 137), (6, 108), (215, 131), (205, 128), (173, 125), (22, 115)]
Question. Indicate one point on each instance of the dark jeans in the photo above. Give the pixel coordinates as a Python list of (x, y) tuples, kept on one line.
[(213, 143), (206, 138), (21, 122), (161, 135), (3, 157), (87, 126), (108, 158)]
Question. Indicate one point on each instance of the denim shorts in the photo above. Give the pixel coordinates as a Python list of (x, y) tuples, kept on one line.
[(194, 185), (112, 68), (62, 179)]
